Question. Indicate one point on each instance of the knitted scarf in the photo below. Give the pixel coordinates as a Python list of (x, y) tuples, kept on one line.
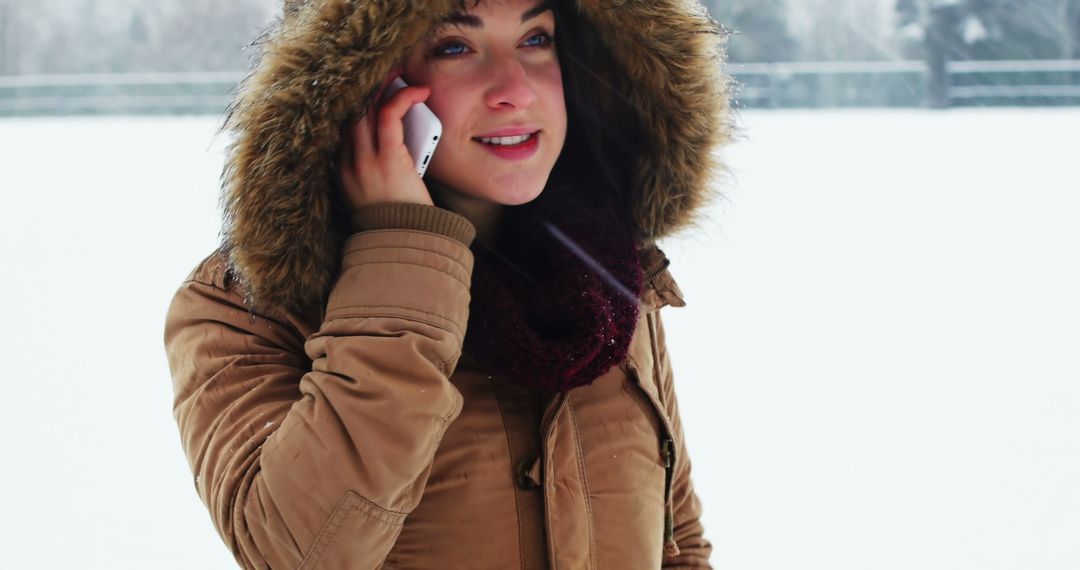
[(555, 305)]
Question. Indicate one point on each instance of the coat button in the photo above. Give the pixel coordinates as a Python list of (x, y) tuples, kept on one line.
[(525, 479)]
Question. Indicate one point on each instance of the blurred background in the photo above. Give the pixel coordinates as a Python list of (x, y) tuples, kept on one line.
[(170, 56), (878, 366)]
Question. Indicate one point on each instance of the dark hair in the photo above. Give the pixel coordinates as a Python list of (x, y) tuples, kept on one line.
[(604, 133)]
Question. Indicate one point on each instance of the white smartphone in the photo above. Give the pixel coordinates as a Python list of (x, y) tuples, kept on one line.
[(422, 130)]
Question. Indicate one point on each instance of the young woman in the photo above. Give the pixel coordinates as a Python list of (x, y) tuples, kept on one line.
[(466, 370)]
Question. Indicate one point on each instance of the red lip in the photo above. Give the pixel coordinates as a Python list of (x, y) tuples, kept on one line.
[(517, 152)]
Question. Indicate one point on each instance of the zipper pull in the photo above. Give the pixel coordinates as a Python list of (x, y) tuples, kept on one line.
[(671, 548)]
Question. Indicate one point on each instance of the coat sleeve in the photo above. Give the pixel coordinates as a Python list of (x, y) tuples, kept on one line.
[(694, 549), (310, 452)]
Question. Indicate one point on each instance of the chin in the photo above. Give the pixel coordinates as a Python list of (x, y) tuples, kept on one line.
[(507, 189), (517, 197)]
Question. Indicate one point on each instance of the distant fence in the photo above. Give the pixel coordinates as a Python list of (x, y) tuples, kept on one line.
[(117, 93), (758, 85), (906, 84)]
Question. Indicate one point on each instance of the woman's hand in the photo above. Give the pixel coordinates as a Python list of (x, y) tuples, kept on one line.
[(375, 164)]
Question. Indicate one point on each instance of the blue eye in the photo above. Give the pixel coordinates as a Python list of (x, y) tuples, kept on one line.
[(544, 36), (448, 49)]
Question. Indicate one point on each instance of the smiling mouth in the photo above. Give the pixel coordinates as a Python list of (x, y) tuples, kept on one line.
[(507, 142)]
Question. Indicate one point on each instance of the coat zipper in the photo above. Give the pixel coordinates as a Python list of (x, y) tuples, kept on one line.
[(652, 275), (667, 453), (671, 548)]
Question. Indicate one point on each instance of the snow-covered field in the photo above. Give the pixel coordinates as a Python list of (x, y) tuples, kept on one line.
[(879, 366)]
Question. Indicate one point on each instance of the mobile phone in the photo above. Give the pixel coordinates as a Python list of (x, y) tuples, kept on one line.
[(422, 130)]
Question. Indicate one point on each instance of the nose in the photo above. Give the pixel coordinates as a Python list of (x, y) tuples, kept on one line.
[(510, 87)]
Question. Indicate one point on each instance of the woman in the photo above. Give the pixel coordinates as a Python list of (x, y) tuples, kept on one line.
[(355, 386)]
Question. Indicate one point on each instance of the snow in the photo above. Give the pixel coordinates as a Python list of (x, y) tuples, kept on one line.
[(877, 367)]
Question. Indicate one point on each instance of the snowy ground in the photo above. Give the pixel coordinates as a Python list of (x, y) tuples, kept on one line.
[(879, 366)]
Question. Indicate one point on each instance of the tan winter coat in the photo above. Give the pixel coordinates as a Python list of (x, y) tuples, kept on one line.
[(324, 403)]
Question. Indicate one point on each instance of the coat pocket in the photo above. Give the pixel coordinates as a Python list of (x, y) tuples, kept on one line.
[(358, 533), (603, 472)]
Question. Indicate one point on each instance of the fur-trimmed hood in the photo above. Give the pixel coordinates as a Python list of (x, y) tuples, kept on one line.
[(327, 58)]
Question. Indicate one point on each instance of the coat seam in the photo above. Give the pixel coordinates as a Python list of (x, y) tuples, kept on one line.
[(651, 318), (411, 231), (548, 464), (411, 309), (454, 330), (669, 502), (444, 423), (409, 263), (351, 503), (513, 474), (361, 248), (580, 456)]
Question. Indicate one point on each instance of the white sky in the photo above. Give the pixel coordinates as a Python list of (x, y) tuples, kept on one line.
[(878, 366)]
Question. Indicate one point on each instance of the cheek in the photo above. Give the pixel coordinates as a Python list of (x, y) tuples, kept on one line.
[(445, 101), (442, 94), (554, 95)]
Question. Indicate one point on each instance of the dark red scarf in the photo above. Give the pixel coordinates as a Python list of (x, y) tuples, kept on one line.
[(555, 304)]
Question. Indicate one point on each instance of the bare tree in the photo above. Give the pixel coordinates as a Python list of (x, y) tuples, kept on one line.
[(1056, 20), (203, 34), (8, 41), (759, 29), (1069, 27), (843, 29), (87, 36), (1009, 29)]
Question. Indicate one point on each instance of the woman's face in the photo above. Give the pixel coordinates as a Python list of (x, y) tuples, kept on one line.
[(494, 73)]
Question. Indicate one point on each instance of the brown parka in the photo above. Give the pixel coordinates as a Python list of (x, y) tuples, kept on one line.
[(324, 403)]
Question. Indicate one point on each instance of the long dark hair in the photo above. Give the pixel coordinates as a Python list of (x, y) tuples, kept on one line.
[(594, 173)]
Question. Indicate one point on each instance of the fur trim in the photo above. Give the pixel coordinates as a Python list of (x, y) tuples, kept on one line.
[(670, 53), (326, 60)]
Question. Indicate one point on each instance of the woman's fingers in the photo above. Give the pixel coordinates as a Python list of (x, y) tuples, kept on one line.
[(391, 130), (381, 169), (386, 127), (363, 139)]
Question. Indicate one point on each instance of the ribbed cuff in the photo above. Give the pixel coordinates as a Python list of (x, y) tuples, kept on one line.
[(407, 216)]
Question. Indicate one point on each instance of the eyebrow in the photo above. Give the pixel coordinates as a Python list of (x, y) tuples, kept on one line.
[(470, 21)]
